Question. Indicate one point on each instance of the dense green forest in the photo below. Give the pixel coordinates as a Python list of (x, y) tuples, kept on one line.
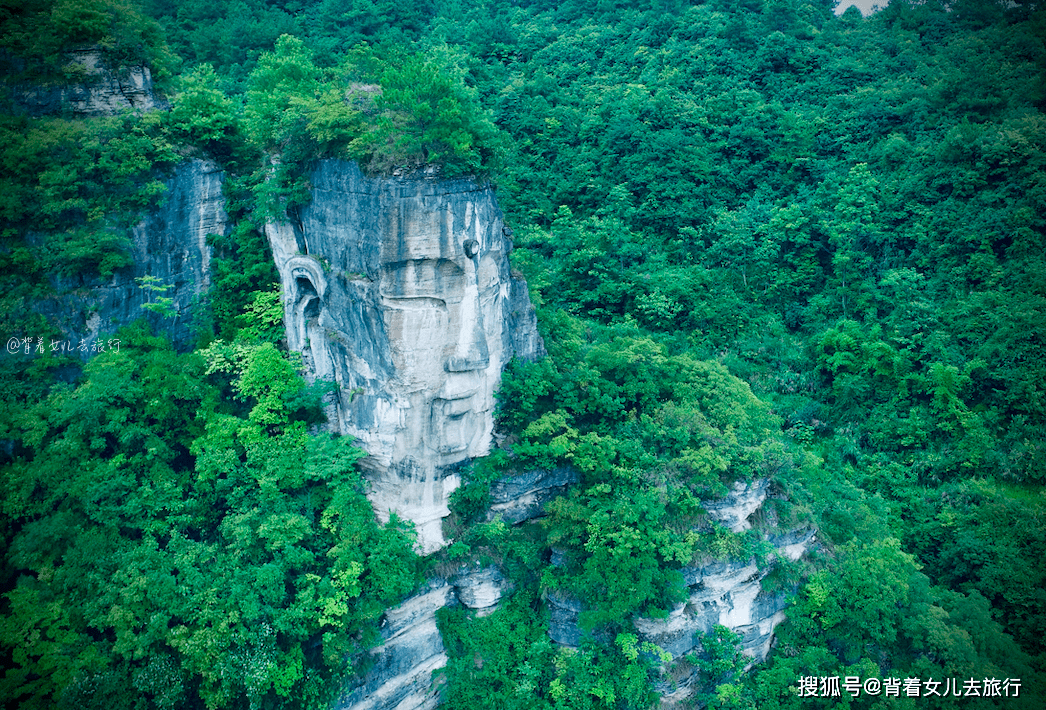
[(763, 240)]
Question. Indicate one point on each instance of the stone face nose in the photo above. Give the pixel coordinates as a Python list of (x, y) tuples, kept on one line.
[(471, 351)]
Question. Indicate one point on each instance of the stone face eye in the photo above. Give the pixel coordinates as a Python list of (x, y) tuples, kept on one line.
[(471, 248)]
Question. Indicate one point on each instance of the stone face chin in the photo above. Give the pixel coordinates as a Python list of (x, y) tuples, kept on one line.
[(399, 290)]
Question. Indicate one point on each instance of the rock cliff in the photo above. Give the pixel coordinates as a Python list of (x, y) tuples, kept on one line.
[(168, 244), (104, 91), (399, 290), (721, 592)]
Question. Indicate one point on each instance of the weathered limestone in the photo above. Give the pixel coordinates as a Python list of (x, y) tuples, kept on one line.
[(103, 91), (726, 594), (401, 679), (401, 675), (106, 92), (399, 290), (169, 244), (737, 507), (523, 496), (412, 648), (563, 614), (480, 589)]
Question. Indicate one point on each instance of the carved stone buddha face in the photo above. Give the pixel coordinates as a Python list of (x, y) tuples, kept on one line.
[(432, 307), (400, 292)]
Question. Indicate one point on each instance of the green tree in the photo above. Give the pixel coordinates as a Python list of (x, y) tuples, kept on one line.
[(427, 115), (279, 84), (203, 115), (853, 234), (172, 551)]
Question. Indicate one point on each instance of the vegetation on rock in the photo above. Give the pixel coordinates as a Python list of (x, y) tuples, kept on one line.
[(764, 241)]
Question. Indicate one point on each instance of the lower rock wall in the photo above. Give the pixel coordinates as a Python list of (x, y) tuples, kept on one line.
[(721, 593), (411, 649), (401, 675)]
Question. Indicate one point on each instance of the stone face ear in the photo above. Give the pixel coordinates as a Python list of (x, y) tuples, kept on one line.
[(471, 248)]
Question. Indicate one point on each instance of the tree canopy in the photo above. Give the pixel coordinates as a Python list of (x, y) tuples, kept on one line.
[(764, 241)]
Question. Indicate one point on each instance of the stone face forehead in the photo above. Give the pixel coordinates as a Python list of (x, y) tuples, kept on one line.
[(368, 224), (421, 228)]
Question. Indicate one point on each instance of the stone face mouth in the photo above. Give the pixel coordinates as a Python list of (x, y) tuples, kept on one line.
[(455, 406), (462, 364)]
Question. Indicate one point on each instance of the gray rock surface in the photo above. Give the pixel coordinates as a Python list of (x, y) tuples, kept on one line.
[(563, 614), (170, 244), (480, 589), (103, 92), (523, 496), (400, 677), (399, 290), (737, 507), (411, 649)]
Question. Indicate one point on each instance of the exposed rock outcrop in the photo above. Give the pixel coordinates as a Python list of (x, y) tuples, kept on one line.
[(400, 677), (168, 244), (401, 674), (480, 589), (523, 496), (563, 614), (720, 592), (734, 509), (399, 290), (102, 92)]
